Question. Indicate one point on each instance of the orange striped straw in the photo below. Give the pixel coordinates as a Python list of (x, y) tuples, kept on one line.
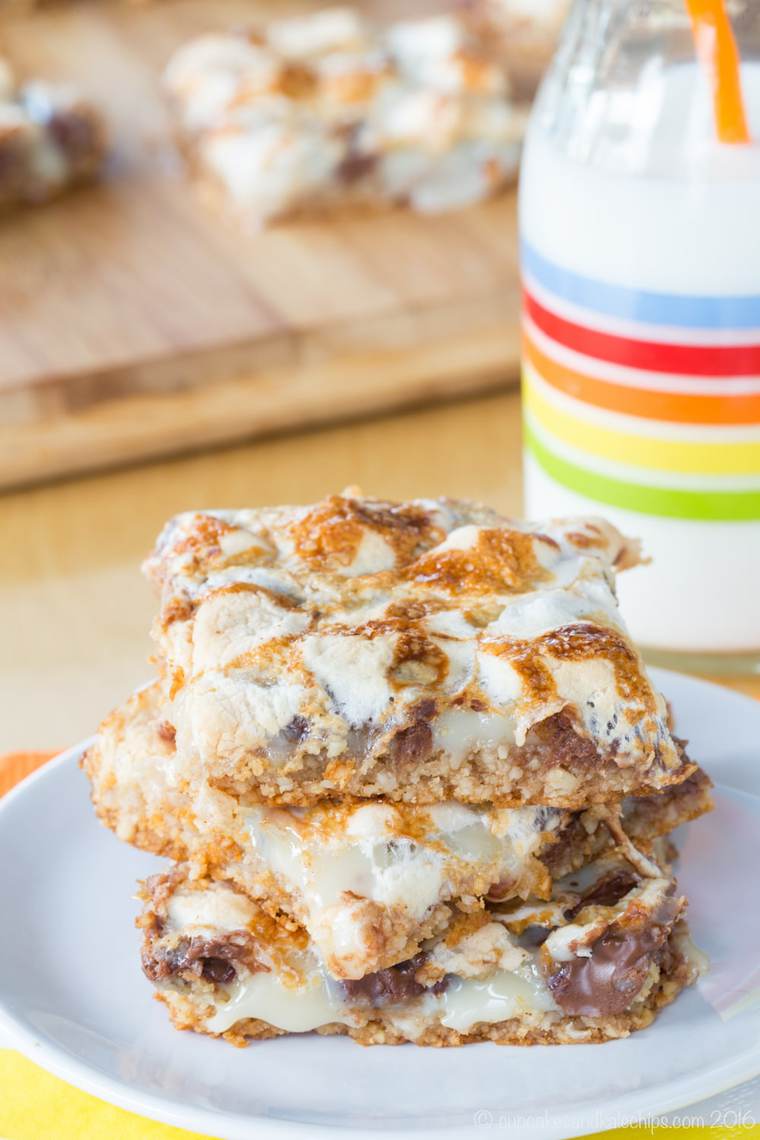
[(717, 50)]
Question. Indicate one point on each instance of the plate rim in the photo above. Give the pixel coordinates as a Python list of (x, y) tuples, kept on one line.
[(52, 1057)]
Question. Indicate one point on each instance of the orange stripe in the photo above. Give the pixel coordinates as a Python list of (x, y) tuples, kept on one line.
[(16, 765), (673, 407), (716, 48)]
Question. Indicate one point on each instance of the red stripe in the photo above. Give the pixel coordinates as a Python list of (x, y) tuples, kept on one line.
[(682, 359)]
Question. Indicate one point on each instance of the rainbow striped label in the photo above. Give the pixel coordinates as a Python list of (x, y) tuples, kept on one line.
[(642, 400)]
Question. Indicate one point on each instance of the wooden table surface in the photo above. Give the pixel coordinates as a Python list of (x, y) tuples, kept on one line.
[(74, 609), (138, 322)]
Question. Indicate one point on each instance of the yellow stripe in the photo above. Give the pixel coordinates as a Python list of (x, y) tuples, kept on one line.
[(703, 458)]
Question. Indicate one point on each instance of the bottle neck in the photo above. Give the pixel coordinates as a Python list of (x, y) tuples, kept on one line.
[(610, 93)]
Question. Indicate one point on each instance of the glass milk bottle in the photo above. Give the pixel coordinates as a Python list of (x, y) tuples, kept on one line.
[(640, 250)]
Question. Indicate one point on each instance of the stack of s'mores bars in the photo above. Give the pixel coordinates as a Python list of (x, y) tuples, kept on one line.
[(413, 776)]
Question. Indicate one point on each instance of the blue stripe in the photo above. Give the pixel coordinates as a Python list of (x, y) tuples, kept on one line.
[(695, 312)]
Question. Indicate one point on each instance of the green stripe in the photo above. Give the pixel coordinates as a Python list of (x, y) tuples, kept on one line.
[(670, 502)]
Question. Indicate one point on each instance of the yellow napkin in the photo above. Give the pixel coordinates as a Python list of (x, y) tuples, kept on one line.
[(36, 1106)]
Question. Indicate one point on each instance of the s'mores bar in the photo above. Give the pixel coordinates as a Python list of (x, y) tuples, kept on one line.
[(422, 651), (592, 964), (404, 756), (325, 110), (50, 140)]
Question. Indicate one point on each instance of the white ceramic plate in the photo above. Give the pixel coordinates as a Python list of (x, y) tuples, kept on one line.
[(74, 1000)]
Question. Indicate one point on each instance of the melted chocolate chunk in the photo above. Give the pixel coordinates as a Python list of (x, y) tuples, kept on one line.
[(395, 984), (218, 970), (568, 748), (607, 891), (412, 745), (607, 982), (209, 958)]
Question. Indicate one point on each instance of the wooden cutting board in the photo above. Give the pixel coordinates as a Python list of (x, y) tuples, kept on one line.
[(135, 321)]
